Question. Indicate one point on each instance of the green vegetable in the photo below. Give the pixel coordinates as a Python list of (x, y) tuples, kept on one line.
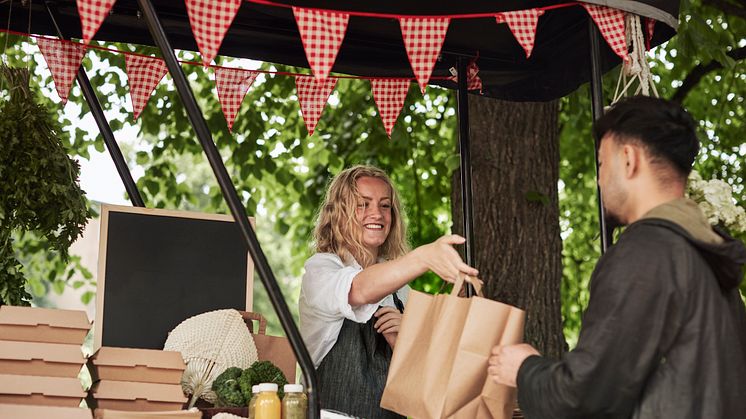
[(39, 188), (226, 387), (245, 383), (263, 372)]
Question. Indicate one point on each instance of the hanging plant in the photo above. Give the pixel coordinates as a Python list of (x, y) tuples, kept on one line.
[(39, 190)]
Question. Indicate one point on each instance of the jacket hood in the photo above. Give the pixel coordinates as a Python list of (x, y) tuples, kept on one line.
[(725, 255)]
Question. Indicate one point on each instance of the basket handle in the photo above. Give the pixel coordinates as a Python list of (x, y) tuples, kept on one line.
[(249, 317)]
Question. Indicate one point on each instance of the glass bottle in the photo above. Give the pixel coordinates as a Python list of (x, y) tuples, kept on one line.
[(252, 402), (295, 402), (267, 403)]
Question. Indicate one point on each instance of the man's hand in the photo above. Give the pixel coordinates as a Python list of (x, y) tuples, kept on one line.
[(506, 360), (389, 320)]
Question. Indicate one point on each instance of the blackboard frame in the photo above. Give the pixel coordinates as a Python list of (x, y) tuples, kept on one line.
[(111, 213)]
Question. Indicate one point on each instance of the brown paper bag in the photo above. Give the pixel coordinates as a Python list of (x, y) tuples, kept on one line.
[(275, 349), (439, 366)]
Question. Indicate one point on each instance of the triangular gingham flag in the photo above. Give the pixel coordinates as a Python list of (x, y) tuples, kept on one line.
[(210, 20), (144, 74), (523, 25), (389, 95), (233, 83), (92, 14), (610, 23), (313, 94), (423, 39), (322, 33), (63, 59), (473, 81)]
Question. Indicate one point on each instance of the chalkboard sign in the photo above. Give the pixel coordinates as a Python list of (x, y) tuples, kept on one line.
[(159, 267)]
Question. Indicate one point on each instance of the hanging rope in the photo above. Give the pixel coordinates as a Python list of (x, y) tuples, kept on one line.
[(636, 68)]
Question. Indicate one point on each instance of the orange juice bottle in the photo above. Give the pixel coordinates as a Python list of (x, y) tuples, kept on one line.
[(267, 403)]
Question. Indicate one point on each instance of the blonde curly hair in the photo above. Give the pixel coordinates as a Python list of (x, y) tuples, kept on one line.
[(337, 229)]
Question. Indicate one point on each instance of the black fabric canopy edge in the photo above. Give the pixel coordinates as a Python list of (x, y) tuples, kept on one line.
[(373, 46)]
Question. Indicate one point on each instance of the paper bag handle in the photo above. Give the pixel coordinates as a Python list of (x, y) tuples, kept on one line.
[(462, 279), (249, 317)]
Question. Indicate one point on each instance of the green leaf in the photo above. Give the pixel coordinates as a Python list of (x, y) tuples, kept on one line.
[(283, 227), (59, 287), (453, 162), (87, 297), (152, 186), (142, 157)]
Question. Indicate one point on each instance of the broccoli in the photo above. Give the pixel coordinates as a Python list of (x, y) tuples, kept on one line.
[(245, 382), (262, 372), (226, 387)]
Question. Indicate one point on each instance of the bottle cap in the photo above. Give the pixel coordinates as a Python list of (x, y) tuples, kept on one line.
[(267, 387), (293, 388), (255, 389)]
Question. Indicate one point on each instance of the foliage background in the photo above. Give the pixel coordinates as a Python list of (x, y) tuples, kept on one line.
[(281, 174)]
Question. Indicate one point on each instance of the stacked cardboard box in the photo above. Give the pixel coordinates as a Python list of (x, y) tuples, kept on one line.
[(25, 411), (40, 359), (193, 413), (136, 380)]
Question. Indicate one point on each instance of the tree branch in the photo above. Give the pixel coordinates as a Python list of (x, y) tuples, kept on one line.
[(728, 7), (693, 78)]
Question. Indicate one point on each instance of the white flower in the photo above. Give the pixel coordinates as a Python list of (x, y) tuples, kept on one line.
[(715, 198)]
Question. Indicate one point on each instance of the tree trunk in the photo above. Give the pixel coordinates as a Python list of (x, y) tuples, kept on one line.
[(515, 170)]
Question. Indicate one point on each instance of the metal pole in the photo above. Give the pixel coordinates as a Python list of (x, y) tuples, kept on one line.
[(103, 125), (237, 209), (597, 103), (465, 153)]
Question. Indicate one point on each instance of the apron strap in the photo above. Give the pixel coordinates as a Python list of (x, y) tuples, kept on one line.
[(397, 302)]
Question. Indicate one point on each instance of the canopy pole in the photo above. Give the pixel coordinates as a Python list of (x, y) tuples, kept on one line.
[(103, 125), (462, 108), (237, 209), (597, 103)]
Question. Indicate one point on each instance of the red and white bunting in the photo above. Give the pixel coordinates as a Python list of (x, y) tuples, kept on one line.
[(523, 25), (210, 20), (473, 81), (92, 14), (423, 39), (63, 60), (144, 74), (610, 23), (322, 33), (389, 95), (313, 94), (233, 83)]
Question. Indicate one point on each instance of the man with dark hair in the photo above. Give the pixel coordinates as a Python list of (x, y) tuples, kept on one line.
[(664, 334)]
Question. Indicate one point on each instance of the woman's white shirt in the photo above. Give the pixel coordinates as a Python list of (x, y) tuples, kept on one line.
[(324, 305)]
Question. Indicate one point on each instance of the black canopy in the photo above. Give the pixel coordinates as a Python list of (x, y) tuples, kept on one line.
[(373, 45)]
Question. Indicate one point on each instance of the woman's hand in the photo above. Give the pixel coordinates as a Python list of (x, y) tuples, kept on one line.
[(375, 282), (389, 320), (441, 258)]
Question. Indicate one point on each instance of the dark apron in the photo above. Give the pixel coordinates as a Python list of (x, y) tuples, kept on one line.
[(353, 374)]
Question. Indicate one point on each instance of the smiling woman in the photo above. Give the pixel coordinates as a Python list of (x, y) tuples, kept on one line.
[(355, 287), (373, 212)]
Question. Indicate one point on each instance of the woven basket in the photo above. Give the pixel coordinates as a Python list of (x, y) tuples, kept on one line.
[(210, 343)]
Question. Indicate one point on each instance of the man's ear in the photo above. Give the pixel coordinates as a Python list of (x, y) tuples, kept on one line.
[(631, 157)]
